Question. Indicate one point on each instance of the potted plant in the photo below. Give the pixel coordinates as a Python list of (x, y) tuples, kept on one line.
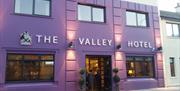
[(81, 80), (116, 79)]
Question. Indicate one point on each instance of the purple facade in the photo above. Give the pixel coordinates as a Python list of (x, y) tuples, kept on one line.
[(64, 24)]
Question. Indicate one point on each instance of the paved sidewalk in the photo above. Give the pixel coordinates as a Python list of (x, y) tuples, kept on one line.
[(161, 89)]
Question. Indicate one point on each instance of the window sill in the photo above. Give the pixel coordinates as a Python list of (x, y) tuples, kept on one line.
[(173, 37), (173, 77), (92, 22), (137, 26), (29, 15), (30, 84), (140, 79)]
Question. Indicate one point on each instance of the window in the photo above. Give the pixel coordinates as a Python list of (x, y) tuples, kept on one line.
[(136, 19), (29, 67), (172, 30), (33, 7), (139, 67), (172, 67), (90, 13)]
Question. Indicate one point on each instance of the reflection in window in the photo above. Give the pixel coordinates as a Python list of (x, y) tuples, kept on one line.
[(172, 30), (131, 18), (84, 13), (172, 67), (139, 67), (136, 19), (42, 7), (29, 68), (33, 7), (24, 6), (90, 13)]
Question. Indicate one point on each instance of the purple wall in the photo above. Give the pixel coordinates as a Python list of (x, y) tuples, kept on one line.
[(64, 18)]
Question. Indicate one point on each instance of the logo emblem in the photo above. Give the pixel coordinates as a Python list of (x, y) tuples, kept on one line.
[(25, 38)]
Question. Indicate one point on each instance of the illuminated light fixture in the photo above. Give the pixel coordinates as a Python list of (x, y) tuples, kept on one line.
[(118, 46), (70, 35), (130, 72), (158, 41), (118, 38), (118, 56), (159, 56), (70, 45), (70, 55)]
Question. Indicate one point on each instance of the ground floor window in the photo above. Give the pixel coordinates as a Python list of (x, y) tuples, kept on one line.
[(140, 67), (172, 67), (29, 67)]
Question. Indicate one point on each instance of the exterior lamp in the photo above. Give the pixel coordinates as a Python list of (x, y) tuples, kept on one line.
[(118, 46), (159, 48), (70, 45)]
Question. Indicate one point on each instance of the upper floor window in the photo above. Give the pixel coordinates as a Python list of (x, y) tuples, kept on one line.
[(29, 67), (33, 7), (91, 13), (136, 19), (172, 30)]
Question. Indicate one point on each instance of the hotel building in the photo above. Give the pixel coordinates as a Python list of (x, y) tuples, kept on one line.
[(44, 44)]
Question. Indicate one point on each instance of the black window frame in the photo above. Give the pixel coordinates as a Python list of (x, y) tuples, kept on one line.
[(33, 10), (144, 57), (173, 29), (138, 12), (31, 81), (93, 6)]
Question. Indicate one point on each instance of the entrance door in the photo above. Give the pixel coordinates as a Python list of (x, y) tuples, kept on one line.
[(98, 73)]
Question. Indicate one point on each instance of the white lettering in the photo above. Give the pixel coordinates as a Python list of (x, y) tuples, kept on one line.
[(98, 42), (87, 42), (149, 44), (47, 39), (139, 44), (110, 42), (136, 44), (81, 40), (95, 42), (104, 42), (39, 38), (145, 45), (130, 44), (55, 39)]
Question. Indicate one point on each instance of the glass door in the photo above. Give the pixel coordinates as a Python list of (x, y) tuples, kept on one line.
[(98, 73)]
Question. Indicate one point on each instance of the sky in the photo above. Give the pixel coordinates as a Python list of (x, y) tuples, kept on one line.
[(167, 5)]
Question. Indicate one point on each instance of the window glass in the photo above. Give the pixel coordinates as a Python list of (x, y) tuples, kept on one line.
[(172, 67), (131, 18), (175, 30), (24, 6), (140, 67), (84, 13), (31, 67), (141, 19), (42, 7), (169, 29), (33, 7), (98, 14)]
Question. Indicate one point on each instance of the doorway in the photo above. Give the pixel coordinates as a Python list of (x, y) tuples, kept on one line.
[(98, 76)]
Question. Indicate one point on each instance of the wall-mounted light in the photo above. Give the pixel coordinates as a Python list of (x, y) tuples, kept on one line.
[(118, 46), (70, 45), (71, 55), (159, 48), (118, 56)]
